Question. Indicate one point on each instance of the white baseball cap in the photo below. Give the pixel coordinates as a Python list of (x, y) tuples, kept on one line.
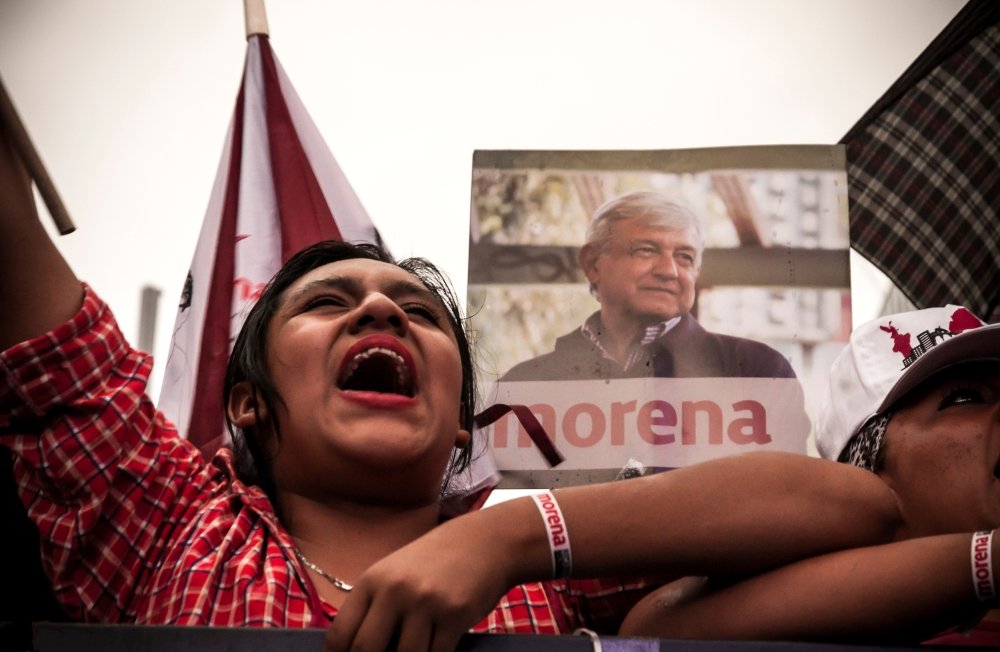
[(889, 356)]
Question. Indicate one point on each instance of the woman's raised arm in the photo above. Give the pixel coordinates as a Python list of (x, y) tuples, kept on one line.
[(38, 290)]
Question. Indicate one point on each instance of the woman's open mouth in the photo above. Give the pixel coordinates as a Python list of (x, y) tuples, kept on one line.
[(380, 364)]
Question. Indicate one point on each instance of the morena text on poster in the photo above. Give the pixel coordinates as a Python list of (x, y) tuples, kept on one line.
[(657, 422)]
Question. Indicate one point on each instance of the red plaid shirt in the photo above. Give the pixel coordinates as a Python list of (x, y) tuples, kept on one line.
[(136, 527)]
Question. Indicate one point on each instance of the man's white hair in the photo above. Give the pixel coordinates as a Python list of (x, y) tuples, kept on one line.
[(653, 208)]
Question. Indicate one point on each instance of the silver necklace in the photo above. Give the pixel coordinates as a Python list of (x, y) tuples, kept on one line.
[(336, 581)]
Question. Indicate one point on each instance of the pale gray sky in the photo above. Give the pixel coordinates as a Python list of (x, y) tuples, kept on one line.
[(128, 101)]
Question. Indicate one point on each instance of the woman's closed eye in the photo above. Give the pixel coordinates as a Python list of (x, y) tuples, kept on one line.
[(422, 311), (324, 300)]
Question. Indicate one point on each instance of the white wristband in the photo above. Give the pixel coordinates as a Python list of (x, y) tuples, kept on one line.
[(555, 527), (982, 566)]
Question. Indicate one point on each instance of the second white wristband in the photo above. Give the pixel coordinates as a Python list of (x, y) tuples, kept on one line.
[(982, 566)]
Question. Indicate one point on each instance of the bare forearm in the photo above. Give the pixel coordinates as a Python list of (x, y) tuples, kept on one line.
[(735, 515), (731, 516), (38, 290), (899, 592)]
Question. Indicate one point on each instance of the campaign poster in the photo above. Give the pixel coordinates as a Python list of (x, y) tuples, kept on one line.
[(642, 343)]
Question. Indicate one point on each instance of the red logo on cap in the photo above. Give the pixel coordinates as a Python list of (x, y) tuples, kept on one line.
[(900, 341), (961, 320)]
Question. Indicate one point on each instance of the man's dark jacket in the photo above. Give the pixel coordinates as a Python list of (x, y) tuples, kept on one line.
[(685, 351)]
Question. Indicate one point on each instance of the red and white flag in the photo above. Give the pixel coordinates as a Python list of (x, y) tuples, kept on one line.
[(278, 190)]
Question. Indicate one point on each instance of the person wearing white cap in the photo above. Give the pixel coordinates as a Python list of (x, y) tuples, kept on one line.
[(872, 417), (914, 398)]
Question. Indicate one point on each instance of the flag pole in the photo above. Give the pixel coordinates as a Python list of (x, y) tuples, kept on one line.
[(255, 17), (10, 121)]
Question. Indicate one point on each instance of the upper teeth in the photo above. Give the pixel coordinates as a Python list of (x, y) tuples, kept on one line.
[(400, 363)]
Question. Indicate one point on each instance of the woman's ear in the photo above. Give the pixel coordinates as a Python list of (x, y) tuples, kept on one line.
[(463, 438), (243, 408)]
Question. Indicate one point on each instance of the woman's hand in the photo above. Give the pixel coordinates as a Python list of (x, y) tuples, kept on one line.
[(430, 592)]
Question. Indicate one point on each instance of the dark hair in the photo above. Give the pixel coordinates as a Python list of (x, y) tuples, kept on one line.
[(866, 449), (248, 359)]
